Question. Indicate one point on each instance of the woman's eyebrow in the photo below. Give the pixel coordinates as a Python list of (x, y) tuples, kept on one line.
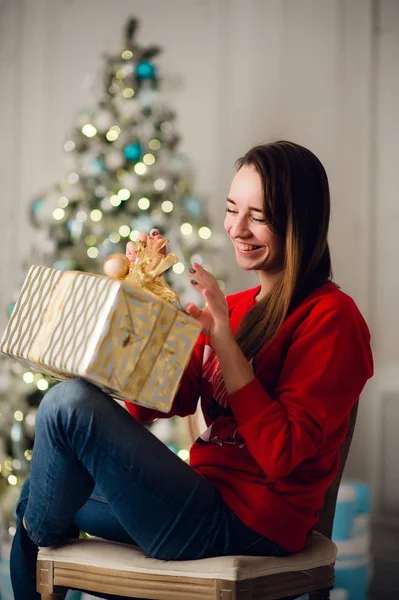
[(250, 207)]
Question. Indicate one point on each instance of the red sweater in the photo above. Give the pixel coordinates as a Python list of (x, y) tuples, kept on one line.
[(272, 447)]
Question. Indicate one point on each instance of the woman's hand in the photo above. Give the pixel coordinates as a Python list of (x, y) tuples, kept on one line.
[(156, 240), (214, 318)]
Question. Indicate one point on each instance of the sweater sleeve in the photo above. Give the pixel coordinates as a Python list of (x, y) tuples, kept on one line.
[(186, 398), (325, 369)]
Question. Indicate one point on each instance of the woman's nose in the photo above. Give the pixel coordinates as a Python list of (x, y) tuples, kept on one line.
[(239, 227)]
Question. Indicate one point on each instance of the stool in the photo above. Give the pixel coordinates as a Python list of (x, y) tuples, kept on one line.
[(98, 565)]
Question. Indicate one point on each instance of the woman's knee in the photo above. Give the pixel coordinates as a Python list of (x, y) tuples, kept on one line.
[(64, 398)]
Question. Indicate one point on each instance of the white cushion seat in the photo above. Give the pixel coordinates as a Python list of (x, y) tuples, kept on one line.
[(319, 552)]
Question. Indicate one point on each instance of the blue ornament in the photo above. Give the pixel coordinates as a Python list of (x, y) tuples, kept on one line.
[(36, 206), (96, 166), (10, 308), (133, 152), (146, 70), (192, 204)]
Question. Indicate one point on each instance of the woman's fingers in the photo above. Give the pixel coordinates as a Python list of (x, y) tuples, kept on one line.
[(205, 281), (131, 252), (193, 310), (158, 243), (143, 236), (204, 277)]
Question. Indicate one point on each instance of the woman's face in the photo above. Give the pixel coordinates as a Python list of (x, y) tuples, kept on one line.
[(257, 247)]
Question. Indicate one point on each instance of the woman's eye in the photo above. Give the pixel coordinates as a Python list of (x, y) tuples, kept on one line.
[(258, 220), (231, 212)]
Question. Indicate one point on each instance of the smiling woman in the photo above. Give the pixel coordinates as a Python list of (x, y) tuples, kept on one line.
[(278, 369), (287, 186), (257, 246)]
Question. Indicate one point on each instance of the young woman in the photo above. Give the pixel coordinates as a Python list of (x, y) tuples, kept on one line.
[(278, 369)]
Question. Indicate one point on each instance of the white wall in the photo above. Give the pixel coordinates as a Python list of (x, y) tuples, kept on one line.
[(320, 72)]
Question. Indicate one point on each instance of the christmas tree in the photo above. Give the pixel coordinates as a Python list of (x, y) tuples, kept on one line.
[(125, 174)]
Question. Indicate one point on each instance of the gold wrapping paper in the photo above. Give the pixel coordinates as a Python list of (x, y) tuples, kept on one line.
[(125, 340)]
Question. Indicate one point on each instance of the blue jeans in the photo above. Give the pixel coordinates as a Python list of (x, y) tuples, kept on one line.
[(95, 468)]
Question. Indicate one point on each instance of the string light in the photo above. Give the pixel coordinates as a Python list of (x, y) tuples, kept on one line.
[(204, 233), (183, 454), (90, 240), (186, 228), (58, 214), (124, 230), (127, 54), (96, 215), (42, 385), (81, 216), (128, 93), (178, 268), (149, 159), (19, 416), (159, 184), (115, 200), (63, 202), (73, 178), (89, 130), (92, 252), (167, 206), (112, 135), (143, 203), (115, 237), (28, 377), (140, 168), (154, 144), (12, 480), (134, 235), (30, 419), (28, 454), (124, 194), (181, 186), (69, 146)]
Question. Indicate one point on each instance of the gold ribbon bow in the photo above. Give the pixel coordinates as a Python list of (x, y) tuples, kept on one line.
[(147, 271)]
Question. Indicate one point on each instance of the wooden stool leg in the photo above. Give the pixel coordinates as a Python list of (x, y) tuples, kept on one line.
[(45, 582), (320, 595)]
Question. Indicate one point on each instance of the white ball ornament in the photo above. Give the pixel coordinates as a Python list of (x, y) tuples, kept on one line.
[(102, 121), (130, 181), (114, 160)]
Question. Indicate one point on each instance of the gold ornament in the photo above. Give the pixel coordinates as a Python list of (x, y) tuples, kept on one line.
[(116, 266), (147, 271)]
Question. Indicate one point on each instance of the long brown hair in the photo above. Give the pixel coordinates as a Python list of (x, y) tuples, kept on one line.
[(296, 202)]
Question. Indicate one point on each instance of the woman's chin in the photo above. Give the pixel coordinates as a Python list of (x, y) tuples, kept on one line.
[(246, 263)]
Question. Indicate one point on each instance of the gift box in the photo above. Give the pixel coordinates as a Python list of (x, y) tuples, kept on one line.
[(126, 340)]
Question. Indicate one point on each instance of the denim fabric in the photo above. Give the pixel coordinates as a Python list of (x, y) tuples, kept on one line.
[(95, 468)]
